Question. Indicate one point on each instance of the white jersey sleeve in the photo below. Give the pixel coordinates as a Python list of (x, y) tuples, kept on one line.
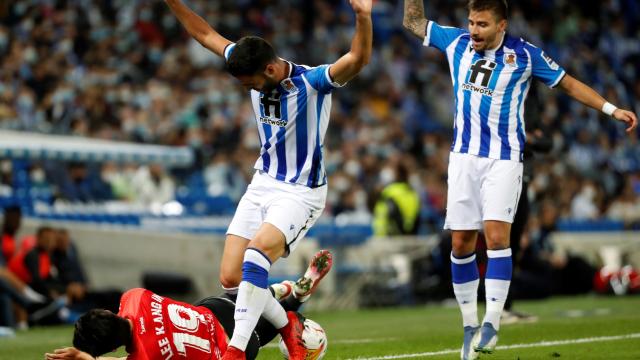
[(440, 37), (319, 78), (544, 68)]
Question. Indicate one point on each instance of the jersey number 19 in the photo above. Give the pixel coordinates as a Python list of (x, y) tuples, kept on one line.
[(187, 320)]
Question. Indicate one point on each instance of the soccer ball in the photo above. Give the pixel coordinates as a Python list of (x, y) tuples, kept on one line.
[(314, 338)]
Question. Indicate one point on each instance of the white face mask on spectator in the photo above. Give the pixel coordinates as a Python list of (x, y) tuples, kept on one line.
[(30, 55), (27, 24), (589, 192), (352, 168), (65, 46), (25, 103), (37, 176), (108, 176), (341, 184), (387, 176)]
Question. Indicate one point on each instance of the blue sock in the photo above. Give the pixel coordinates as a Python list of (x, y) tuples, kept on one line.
[(496, 283), (464, 273), (253, 294)]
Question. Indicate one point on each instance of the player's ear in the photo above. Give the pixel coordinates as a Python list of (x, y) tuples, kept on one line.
[(270, 70), (502, 25)]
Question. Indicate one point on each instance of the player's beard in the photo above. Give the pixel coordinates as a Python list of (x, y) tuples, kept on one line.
[(268, 86), (486, 42), (481, 46)]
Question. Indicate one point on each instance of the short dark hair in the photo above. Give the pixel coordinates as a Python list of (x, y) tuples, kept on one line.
[(100, 331), (499, 7), (43, 229), (13, 209), (11, 219), (250, 56)]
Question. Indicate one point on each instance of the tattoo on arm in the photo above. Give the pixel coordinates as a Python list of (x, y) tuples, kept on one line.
[(414, 19)]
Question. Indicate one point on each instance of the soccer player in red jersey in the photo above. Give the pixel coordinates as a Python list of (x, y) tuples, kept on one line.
[(153, 327)]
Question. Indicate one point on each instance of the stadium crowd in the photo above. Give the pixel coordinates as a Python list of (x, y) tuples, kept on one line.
[(125, 70)]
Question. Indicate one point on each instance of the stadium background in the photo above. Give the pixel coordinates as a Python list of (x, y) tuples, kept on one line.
[(126, 71)]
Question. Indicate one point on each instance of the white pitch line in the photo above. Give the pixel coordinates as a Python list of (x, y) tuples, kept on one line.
[(507, 347), (352, 341)]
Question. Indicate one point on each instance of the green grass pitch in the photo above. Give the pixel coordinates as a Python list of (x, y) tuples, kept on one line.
[(568, 328)]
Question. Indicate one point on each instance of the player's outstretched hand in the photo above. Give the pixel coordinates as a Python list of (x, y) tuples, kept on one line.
[(627, 117), (69, 353), (361, 7)]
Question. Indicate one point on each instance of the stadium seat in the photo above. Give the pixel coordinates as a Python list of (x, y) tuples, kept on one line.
[(590, 225)]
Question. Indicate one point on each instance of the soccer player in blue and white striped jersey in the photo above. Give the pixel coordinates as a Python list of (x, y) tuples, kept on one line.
[(491, 74), (288, 191)]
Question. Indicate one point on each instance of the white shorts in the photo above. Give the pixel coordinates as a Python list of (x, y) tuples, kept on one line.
[(481, 189), (292, 208)]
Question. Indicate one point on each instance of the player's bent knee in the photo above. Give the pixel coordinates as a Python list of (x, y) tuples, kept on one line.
[(271, 246), (230, 279)]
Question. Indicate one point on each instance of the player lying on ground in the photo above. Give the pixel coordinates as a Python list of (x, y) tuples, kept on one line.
[(153, 327)]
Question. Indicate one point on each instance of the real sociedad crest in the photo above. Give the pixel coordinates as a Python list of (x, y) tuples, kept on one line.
[(510, 59), (288, 85)]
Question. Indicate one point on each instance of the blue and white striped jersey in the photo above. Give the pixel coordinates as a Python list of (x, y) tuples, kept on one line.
[(490, 89), (292, 122)]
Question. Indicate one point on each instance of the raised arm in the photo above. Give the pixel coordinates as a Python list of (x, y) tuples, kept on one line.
[(414, 19), (586, 95), (198, 28), (350, 64)]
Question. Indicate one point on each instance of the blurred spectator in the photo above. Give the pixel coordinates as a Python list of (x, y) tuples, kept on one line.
[(398, 207), (584, 205), (152, 185), (79, 184), (33, 266), (38, 179), (13, 290), (120, 179), (79, 298), (66, 259), (223, 178), (626, 206), (6, 178), (10, 225)]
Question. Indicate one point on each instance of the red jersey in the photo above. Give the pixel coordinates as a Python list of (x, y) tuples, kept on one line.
[(19, 265), (8, 246), (165, 329)]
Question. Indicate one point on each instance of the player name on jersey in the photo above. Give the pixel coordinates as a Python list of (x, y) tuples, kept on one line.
[(156, 313)]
